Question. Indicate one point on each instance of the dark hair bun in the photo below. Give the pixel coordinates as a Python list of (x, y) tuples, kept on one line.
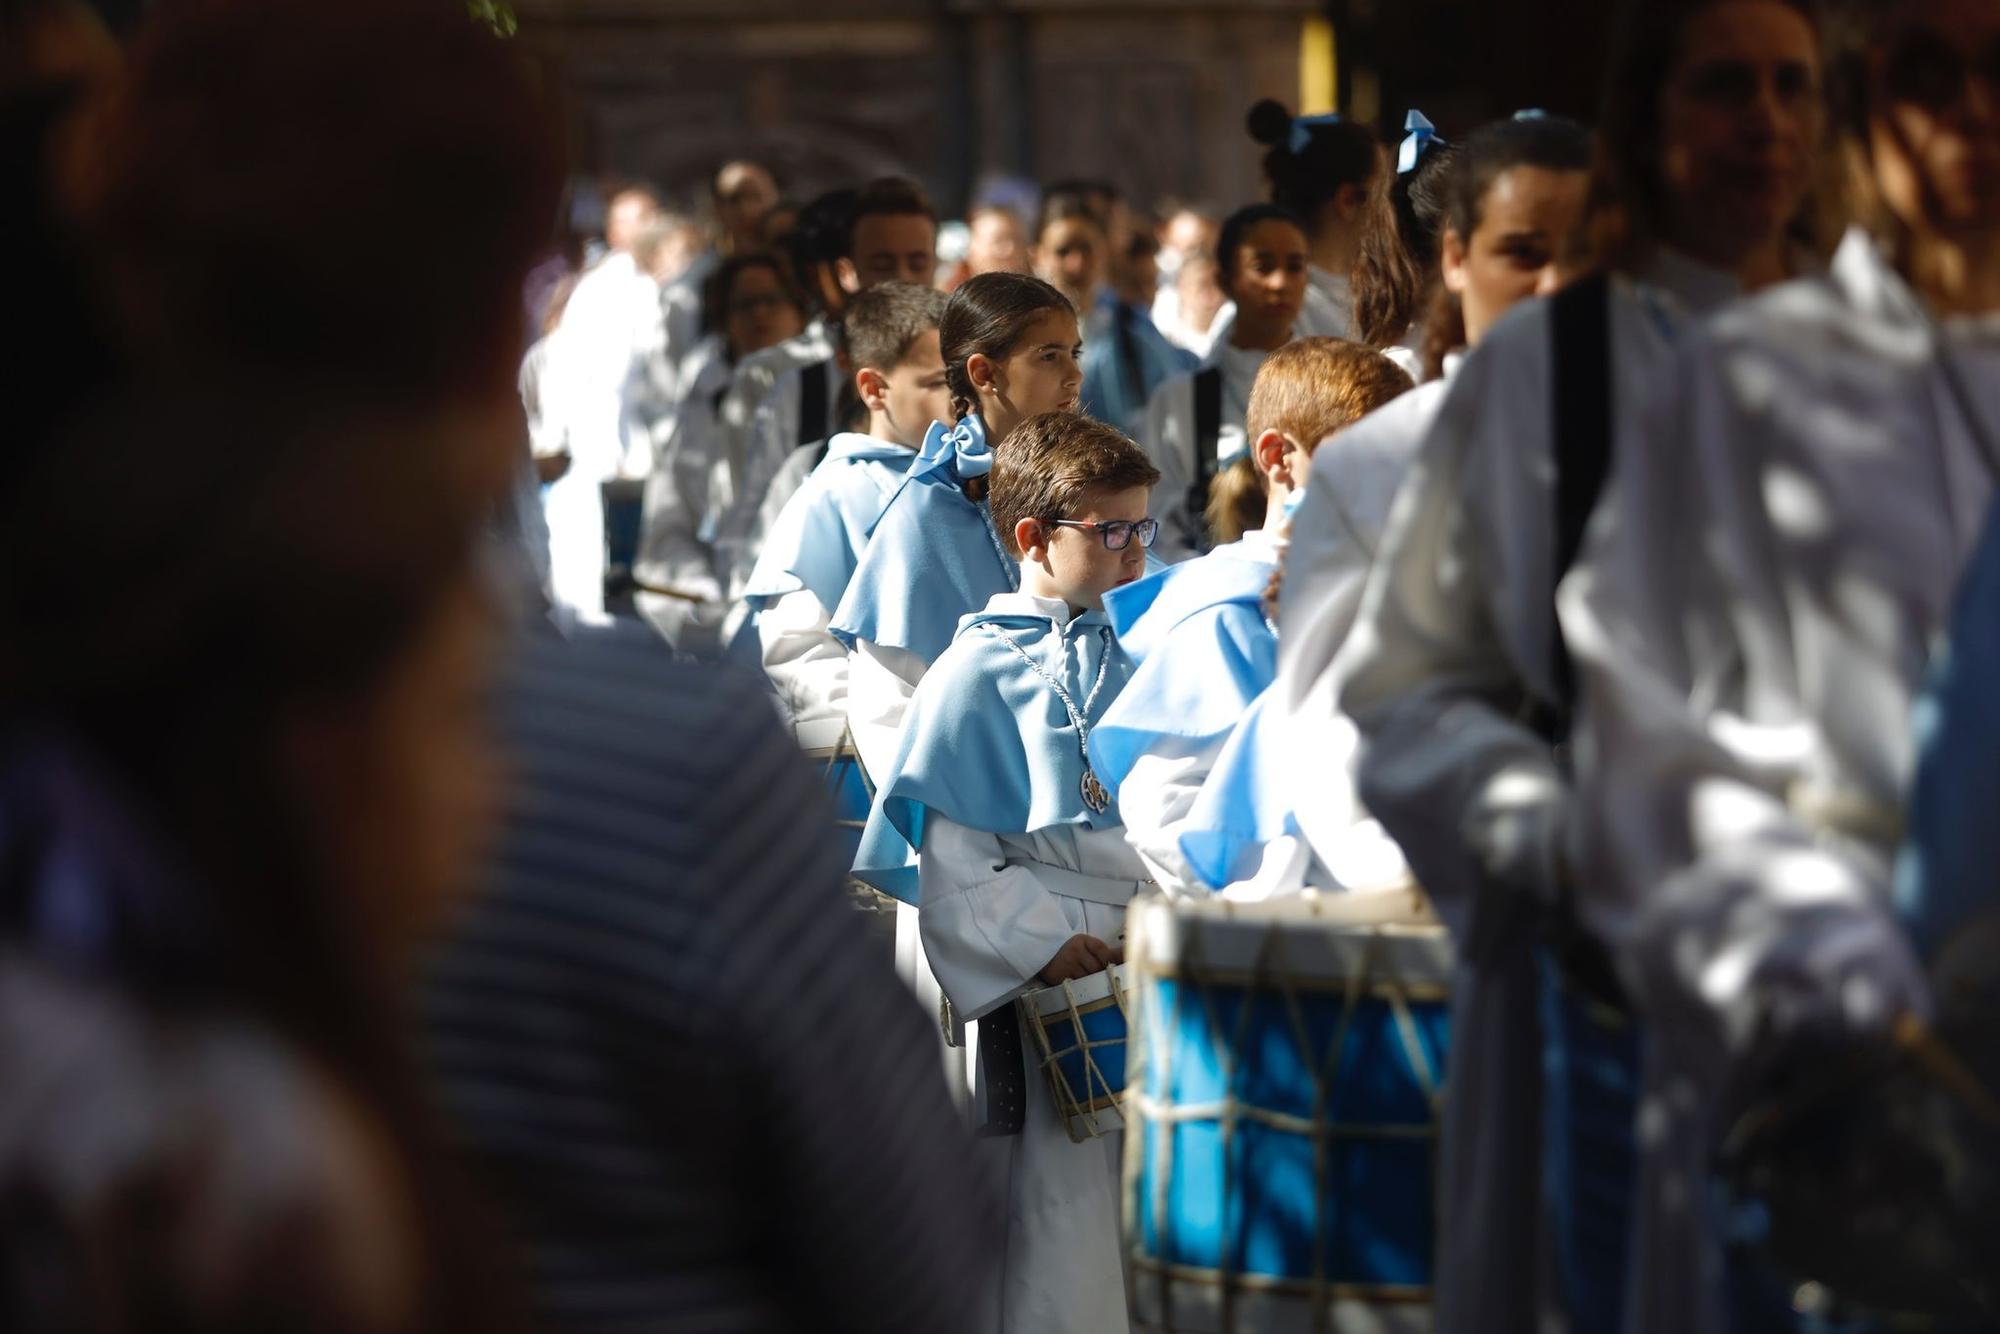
[(1269, 122)]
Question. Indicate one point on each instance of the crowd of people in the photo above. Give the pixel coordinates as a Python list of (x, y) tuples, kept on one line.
[(416, 912)]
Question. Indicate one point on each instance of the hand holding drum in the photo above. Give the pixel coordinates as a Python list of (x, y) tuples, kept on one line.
[(1080, 956)]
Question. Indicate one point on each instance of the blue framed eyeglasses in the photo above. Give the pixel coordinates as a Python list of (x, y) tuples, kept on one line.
[(1116, 534)]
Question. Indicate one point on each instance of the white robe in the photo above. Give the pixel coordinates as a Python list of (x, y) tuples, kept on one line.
[(1157, 795), (1169, 440), (1774, 561), (758, 432), (596, 379), (1453, 639), (674, 546), (989, 925)]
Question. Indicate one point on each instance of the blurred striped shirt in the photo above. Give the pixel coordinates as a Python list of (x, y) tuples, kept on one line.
[(704, 1102)]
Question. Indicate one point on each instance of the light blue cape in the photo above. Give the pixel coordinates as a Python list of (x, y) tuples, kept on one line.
[(1204, 649), (932, 557), (987, 743), (819, 536), (1246, 801)]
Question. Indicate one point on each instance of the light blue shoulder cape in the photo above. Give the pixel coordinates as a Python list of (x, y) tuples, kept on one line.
[(988, 744), (1204, 649), (933, 556), (1246, 801), (819, 536)]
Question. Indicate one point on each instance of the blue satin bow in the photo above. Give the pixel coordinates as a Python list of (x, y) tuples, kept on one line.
[(971, 455), (1422, 134), (1303, 127)]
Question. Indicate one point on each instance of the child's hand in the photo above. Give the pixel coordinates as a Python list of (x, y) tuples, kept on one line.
[(1080, 956)]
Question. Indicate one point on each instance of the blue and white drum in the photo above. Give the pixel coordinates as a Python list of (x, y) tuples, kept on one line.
[(1076, 1038), (1286, 1074), (830, 748)]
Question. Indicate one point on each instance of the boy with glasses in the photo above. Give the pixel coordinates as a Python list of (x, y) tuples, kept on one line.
[(1024, 873)]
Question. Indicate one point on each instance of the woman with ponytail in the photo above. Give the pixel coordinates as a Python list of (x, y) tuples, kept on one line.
[(1322, 169)]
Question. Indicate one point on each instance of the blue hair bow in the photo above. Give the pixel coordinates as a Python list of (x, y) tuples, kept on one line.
[(964, 444), (1303, 127), (1422, 134)]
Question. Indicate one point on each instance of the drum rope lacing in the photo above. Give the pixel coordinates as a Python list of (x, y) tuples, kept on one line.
[(1272, 964)]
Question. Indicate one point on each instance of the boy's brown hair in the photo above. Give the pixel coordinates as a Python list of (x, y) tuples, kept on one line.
[(1308, 389), (1049, 466), (882, 324)]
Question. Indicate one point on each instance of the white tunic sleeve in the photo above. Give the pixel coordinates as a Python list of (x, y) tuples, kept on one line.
[(880, 684), (988, 927), (806, 664), (672, 553), (1724, 836), (1457, 614), (1155, 800)]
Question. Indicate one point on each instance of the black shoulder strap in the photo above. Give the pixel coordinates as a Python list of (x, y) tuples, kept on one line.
[(1581, 385), (1207, 422), (819, 451), (1207, 431), (815, 394)]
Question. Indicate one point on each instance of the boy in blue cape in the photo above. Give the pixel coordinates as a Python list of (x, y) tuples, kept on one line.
[(1024, 874), (1199, 632), (814, 543)]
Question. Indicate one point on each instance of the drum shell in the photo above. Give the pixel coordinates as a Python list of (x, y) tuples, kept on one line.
[(1283, 1100)]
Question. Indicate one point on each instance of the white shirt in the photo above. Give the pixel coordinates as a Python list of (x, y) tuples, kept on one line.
[(1169, 441), (1775, 558)]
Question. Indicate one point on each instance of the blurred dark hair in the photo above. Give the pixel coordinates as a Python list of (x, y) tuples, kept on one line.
[(885, 197), (1628, 208), (820, 236), (1311, 158), (1237, 226), (988, 314), (882, 323), (721, 285), (268, 171), (1396, 272), (1060, 204), (1553, 143)]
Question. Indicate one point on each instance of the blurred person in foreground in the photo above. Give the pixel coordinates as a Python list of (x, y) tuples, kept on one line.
[(242, 755)]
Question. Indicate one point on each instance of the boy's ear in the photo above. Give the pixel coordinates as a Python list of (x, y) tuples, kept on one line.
[(1268, 449), (847, 275), (873, 388), (1350, 200), (1029, 537)]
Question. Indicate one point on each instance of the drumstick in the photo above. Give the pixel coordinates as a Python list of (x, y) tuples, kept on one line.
[(1943, 1064), (662, 590)]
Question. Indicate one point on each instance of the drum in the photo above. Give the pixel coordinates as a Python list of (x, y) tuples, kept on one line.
[(830, 748), (1284, 1100), (1077, 1036)]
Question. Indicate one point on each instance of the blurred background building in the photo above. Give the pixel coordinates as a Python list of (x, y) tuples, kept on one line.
[(1148, 94)]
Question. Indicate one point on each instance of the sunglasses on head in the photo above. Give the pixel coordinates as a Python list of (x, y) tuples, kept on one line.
[(1116, 534)]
